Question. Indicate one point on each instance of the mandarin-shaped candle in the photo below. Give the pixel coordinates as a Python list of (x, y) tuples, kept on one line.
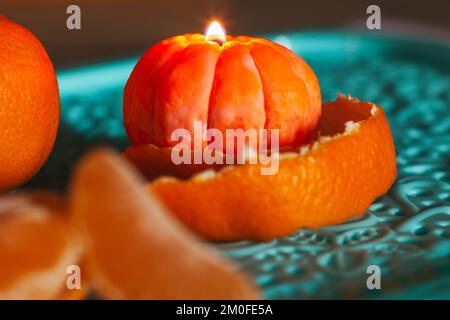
[(224, 81), (251, 83)]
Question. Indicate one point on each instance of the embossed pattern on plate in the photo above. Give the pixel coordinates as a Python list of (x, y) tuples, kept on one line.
[(406, 232)]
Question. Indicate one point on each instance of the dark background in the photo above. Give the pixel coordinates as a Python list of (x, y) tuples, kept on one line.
[(117, 28)]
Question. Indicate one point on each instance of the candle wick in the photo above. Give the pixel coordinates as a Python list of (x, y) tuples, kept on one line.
[(217, 40), (215, 33)]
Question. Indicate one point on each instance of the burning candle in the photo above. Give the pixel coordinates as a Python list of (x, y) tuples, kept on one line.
[(215, 33), (220, 83), (224, 82)]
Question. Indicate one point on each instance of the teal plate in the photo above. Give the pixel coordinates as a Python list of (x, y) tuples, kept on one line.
[(405, 233)]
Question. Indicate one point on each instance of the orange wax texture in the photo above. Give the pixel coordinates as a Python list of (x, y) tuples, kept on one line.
[(246, 83)]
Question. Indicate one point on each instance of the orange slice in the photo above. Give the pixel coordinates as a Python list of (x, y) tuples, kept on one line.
[(37, 244), (328, 182), (135, 248)]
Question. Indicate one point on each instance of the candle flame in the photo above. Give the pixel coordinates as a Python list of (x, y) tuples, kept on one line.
[(215, 33)]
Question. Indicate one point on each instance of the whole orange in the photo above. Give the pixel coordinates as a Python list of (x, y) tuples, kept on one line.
[(29, 105)]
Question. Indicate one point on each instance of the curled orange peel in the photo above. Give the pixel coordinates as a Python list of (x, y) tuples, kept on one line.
[(351, 162)]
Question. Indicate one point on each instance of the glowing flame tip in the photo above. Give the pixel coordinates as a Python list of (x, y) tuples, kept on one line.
[(215, 32)]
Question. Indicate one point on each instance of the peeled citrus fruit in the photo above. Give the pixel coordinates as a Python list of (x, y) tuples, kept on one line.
[(337, 177), (37, 244), (135, 248), (29, 105), (246, 83)]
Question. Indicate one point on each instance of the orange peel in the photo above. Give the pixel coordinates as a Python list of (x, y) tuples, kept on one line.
[(37, 244), (135, 249), (153, 162), (328, 182)]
